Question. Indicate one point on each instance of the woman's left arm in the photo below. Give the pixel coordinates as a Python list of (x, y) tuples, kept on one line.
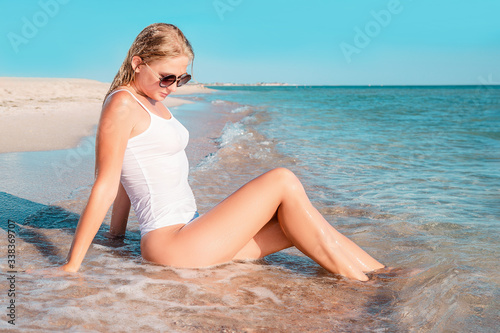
[(119, 214)]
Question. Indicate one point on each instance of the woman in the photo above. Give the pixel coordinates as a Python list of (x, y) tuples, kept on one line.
[(140, 161)]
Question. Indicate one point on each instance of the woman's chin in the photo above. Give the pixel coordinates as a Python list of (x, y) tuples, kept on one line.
[(162, 96)]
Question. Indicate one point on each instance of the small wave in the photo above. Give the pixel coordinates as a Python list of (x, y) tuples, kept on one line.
[(219, 102), (355, 212), (241, 109), (208, 162), (442, 226), (232, 132)]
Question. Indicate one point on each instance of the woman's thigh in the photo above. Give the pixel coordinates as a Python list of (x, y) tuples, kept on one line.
[(230, 230)]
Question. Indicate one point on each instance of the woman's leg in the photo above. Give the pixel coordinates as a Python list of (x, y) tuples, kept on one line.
[(231, 229), (268, 240)]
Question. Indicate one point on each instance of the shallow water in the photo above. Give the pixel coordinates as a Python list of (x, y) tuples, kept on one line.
[(410, 174)]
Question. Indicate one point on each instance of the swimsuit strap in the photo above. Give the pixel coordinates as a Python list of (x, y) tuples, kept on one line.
[(138, 101), (144, 106)]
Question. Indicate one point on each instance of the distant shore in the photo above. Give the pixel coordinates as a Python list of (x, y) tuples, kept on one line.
[(281, 84), (51, 113), (259, 84)]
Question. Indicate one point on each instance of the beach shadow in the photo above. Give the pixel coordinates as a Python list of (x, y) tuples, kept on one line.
[(32, 219)]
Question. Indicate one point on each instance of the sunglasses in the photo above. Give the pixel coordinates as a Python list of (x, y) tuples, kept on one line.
[(168, 80)]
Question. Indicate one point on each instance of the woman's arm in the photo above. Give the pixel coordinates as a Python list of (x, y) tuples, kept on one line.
[(119, 215), (113, 132)]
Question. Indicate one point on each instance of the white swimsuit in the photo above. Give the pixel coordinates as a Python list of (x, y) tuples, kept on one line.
[(155, 174)]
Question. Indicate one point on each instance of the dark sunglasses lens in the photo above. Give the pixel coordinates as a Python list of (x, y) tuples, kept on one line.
[(168, 80), (183, 80)]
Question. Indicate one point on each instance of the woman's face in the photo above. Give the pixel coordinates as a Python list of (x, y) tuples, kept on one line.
[(147, 80)]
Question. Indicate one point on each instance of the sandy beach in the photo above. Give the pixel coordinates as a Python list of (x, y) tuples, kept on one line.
[(52, 113)]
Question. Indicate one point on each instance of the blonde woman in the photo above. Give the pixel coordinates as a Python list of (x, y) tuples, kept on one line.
[(140, 162)]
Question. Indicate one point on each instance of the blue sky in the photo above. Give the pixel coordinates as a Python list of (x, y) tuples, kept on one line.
[(333, 42)]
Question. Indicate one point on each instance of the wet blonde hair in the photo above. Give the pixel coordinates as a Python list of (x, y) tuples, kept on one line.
[(156, 41)]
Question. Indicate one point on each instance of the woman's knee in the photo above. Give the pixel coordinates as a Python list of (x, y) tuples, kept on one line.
[(286, 178)]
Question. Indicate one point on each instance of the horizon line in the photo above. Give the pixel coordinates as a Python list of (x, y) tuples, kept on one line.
[(283, 84), (347, 85)]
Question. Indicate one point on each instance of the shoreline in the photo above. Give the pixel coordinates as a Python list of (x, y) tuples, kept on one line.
[(41, 114)]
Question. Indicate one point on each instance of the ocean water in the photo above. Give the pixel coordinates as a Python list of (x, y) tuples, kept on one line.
[(411, 174)]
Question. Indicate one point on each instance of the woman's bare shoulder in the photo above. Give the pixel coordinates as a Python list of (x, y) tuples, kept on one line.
[(121, 102), (120, 109), (121, 96)]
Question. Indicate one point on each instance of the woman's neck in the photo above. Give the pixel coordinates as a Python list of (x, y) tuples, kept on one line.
[(140, 93)]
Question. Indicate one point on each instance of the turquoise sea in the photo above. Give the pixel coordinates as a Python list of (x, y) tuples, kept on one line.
[(421, 154), (411, 174)]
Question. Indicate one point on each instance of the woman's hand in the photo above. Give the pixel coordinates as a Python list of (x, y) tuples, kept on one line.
[(63, 270), (68, 268), (110, 235)]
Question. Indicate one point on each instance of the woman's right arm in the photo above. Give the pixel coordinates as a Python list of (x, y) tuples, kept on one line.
[(115, 126)]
